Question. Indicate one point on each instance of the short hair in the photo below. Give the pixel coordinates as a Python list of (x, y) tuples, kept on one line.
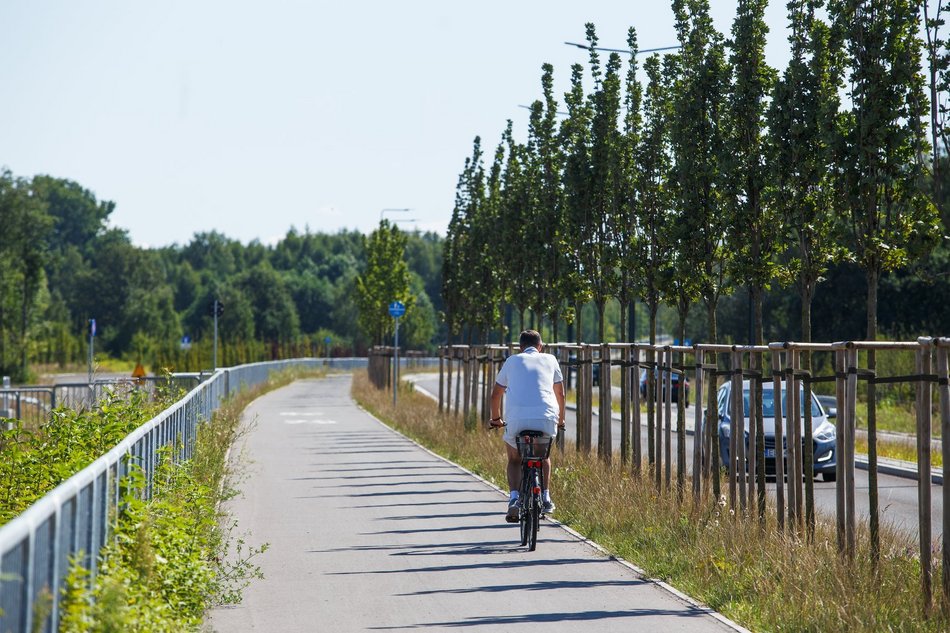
[(529, 338)]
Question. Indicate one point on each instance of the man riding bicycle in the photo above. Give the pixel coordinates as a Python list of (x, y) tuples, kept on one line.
[(535, 390)]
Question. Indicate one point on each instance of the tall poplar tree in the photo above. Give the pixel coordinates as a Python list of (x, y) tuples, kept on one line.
[(880, 156), (549, 159), (697, 137), (575, 139), (630, 189), (802, 119), (603, 213)]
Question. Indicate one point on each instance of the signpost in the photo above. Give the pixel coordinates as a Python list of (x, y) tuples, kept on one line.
[(217, 309), (396, 310), (92, 337)]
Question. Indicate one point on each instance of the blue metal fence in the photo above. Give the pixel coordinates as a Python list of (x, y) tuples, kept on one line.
[(36, 546)]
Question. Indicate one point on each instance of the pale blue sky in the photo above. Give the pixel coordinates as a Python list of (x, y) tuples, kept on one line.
[(252, 117)]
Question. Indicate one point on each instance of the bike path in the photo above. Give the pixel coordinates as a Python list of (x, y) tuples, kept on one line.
[(370, 532)]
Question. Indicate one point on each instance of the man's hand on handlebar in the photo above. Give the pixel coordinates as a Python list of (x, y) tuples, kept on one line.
[(497, 423)]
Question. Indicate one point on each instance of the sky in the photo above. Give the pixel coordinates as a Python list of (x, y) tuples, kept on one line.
[(250, 118)]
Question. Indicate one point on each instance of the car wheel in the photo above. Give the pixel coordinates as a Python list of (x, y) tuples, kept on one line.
[(832, 476)]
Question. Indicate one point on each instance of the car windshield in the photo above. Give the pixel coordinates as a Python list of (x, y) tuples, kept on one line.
[(768, 404)]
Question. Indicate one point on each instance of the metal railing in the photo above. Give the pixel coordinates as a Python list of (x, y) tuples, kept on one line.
[(73, 519)]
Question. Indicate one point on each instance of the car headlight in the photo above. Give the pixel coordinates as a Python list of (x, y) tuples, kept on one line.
[(825, 432)]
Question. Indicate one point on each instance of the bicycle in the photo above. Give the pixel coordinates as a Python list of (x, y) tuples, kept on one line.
[(534, 447)]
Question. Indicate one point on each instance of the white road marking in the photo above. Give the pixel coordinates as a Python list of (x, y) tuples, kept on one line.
[(301, 414), (310, 421)]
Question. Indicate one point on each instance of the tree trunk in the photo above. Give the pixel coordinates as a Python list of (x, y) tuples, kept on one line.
[(601, 326)]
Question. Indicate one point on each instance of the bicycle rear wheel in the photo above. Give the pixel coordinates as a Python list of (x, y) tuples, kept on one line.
[(524, 515)]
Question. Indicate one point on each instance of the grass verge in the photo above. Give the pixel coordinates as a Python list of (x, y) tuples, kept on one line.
[(176, 555), (753, 574)]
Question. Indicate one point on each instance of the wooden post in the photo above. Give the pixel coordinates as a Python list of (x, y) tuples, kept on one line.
[(698, 431), (650, 396), (924, 404), (605, 448), (467, 372), (792, 398), (736, 429), (441, 378), (637, 427), (943, 387), (750, 448), (668, 413), (779, 438), (851, 400), (840, 435), (625, 425)]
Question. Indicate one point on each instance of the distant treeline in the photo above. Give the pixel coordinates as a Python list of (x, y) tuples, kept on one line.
[(61, 264)]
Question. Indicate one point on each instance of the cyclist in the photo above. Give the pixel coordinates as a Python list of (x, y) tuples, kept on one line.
[(535, 390)]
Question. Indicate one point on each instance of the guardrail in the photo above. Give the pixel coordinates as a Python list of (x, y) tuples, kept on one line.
[(36, 546)]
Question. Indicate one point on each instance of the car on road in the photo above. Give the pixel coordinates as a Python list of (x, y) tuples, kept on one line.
[(829, 404), (823, 431), (657, 378)]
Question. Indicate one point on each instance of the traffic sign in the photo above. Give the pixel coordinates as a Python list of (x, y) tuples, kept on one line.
[(397, 309)]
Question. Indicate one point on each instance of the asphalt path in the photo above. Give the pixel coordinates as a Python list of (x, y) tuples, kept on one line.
[(369, 532), (897, 496)]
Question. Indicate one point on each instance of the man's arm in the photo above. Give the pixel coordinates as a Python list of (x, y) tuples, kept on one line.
[(497, 393), (559, 394)]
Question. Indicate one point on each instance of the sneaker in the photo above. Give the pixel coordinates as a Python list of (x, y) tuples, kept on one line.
[(547, 507), (514, 509)]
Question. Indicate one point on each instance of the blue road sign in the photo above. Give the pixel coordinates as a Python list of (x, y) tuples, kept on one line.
[(397, 309), (327, 340)]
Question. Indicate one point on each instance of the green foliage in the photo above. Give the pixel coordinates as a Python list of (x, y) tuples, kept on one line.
[(34, 462), (61, 265), (384, 280)]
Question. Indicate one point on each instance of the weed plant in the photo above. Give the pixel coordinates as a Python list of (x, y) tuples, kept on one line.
[(751, 572)]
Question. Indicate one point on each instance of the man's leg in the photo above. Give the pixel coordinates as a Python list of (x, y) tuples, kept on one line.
[(514, 482), (514, 468)]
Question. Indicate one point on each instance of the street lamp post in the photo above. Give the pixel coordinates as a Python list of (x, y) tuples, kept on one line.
[(384, 211)]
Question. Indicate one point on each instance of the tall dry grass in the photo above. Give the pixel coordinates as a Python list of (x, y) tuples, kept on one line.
[(753, 574)]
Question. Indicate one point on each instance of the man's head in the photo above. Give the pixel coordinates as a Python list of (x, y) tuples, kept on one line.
[(530, 338)]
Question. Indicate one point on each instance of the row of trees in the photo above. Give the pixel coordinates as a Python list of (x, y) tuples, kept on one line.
[(61, 264), (718, 173)]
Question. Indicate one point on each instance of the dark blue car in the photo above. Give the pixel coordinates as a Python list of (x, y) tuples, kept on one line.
[(823, 431)]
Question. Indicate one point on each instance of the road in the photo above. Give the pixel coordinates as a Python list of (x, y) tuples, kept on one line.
[(897, 495), (369, 532)]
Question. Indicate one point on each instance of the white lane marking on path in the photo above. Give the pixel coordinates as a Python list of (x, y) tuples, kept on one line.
[(298, 421), (301, 414)]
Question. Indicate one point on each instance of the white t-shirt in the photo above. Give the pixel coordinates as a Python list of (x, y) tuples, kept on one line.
[(530, 378)]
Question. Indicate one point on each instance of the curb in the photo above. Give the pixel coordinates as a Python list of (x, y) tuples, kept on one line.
[(580, 537)]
